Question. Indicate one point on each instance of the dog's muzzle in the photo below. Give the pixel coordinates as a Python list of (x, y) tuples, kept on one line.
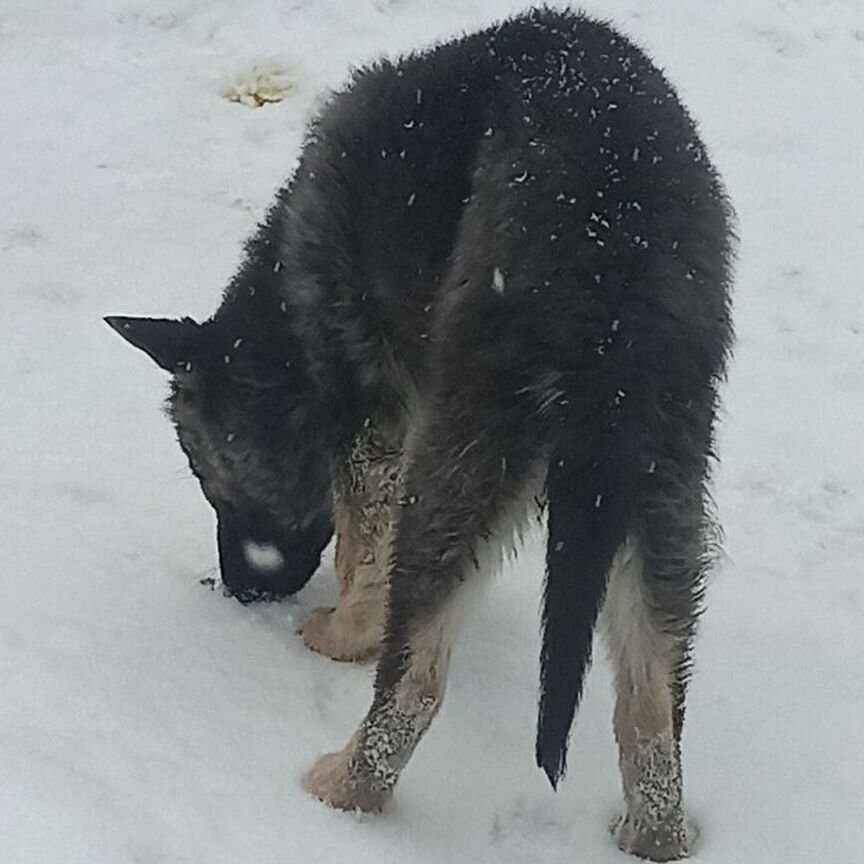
[(259, 561)]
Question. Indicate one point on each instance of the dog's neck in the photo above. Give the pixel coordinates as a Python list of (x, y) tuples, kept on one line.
[(343, 381)]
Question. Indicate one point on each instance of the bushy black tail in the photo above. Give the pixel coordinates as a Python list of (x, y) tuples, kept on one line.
[(588, 516)]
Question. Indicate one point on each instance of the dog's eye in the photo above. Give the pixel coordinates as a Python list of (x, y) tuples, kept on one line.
[(268, 373), (258, 382)]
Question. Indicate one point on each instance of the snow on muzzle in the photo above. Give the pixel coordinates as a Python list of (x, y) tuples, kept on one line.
[(260, 561)]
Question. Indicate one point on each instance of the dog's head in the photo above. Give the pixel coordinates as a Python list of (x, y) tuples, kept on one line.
[(243, 417)]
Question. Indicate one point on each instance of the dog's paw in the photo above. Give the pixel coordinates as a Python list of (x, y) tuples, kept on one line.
[(335, 635), (330, 780), (654, 843)]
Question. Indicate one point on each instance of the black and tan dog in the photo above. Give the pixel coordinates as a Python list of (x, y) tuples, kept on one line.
[(498, 276)]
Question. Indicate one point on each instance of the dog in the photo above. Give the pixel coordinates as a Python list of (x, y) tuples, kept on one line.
[(499, 279)]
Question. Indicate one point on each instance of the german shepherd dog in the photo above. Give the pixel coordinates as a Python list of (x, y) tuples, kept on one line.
[(497, 280)]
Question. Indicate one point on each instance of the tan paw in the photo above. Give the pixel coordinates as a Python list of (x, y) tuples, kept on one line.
[(662, 843), (330, 781), (339, 636)]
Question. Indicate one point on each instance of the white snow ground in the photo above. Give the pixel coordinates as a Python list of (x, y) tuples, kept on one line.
[(146, 720)]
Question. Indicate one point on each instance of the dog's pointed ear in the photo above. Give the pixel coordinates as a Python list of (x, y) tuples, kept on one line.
[(171, 343)]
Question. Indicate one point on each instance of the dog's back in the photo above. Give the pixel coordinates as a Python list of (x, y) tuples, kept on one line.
[(542, 174)]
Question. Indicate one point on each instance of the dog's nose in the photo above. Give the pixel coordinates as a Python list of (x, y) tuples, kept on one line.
[(260, 562)]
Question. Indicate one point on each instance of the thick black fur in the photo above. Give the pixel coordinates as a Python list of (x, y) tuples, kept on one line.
[(515, 245)]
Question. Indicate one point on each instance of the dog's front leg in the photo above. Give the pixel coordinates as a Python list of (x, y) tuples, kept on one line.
[(409, 684), (467, 483), (364, 490), (408, 694)]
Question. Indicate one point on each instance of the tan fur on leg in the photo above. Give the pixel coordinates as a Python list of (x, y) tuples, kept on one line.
[(644, 660), (363, 499), (354, 629)]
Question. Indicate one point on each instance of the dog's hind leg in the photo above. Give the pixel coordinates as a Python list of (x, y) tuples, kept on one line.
[(649, 617), (364, 491), (469, 483)]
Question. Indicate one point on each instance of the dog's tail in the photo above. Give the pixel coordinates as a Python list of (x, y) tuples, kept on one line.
[(589, 501)]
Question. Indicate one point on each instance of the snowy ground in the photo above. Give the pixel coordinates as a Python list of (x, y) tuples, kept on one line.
[(146, 720)]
